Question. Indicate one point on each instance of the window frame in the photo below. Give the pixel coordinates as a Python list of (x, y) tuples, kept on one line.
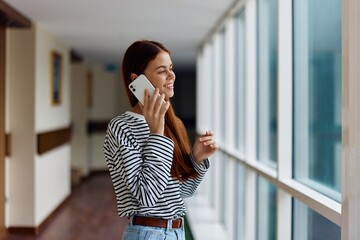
[(344, 214)]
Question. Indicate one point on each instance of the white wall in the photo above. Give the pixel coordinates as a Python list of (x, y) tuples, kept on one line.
[(109, 100), (79, 116), (35, 184), (52, 178), (50, 117), (104, 93)]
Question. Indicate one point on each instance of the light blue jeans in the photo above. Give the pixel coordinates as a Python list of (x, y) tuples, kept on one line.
[(138, 232)]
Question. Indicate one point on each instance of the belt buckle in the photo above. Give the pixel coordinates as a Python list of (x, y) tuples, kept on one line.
[(181, 223)]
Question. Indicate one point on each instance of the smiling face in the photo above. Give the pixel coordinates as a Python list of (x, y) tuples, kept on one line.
[(160, 73)]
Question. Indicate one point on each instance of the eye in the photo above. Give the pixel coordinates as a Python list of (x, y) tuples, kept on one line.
[(162, 70)]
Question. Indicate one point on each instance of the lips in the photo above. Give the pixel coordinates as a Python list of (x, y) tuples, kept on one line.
[(170, 86)]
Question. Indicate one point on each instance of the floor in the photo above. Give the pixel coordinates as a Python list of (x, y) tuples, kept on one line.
[(89, 214)]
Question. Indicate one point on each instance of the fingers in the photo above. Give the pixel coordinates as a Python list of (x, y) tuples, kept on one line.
[(211, 144), (207, 136), (154, 111), (214, 147), (155, 103), (146, 99), (207, 139), (153, 98), (164, 107), (159, 102)]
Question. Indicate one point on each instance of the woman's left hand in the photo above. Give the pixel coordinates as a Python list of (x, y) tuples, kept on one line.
[(204, 147)]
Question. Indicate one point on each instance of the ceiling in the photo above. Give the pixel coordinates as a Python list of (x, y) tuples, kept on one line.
[(101, 30)]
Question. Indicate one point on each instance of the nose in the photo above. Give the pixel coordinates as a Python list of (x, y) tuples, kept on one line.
[(171, 75)]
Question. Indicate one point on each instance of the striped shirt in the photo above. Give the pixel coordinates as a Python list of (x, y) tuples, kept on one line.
[(139, 164)]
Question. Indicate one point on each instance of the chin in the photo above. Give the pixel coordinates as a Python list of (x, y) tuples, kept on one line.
[(169, 95)]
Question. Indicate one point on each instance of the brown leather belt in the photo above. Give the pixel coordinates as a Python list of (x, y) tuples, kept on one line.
[(156, 222)]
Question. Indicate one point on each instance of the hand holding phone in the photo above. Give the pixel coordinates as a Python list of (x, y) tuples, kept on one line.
[(138, 87), (153, 110)]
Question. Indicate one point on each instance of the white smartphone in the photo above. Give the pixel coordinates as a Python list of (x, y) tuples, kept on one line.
[(138, 86)]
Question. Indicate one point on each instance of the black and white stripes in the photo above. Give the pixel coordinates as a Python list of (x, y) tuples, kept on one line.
[(139, 165)]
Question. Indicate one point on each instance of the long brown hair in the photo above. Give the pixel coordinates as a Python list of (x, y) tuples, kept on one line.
[(135, 60)]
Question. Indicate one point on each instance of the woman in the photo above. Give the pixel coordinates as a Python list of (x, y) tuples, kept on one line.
[(147, 150)]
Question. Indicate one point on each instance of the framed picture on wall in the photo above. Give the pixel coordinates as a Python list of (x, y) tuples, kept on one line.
[(56, 77)]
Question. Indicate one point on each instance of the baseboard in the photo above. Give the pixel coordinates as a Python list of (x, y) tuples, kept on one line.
[(51, 217), (24, 230), (37, 230)]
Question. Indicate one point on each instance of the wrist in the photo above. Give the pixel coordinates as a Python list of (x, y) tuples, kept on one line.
[(196, 159), (157, 131)]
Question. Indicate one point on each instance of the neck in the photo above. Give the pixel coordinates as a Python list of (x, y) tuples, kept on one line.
[(137, 109)]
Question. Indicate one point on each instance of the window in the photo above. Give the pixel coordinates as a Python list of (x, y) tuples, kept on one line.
[(266, 210), (212, 83), (222, 86), (317, 95), (239, 202), (240, 76), (310, 225), (286, 150), (267, 81), (223, 160)]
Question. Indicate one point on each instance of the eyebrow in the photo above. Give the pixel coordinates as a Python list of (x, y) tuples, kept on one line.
[(163, 66)]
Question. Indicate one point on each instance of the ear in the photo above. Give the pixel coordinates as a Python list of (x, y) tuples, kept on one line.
[(133, 76)]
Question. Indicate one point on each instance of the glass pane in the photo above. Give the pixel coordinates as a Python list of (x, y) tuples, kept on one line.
[(267, 81), (310, 225), (317, 95), (223, 159), (211, 62), (266, 210), (240, 81), (222, 86), (212, 84), (239, 202)]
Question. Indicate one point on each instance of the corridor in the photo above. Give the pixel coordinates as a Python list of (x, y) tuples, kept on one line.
[(277, 81)]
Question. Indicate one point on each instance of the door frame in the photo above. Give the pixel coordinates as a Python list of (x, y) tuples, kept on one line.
[(2, 130), (10, 18)]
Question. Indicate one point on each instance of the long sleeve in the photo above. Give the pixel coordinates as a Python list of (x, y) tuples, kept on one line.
[(189, 187), (144, 169)]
